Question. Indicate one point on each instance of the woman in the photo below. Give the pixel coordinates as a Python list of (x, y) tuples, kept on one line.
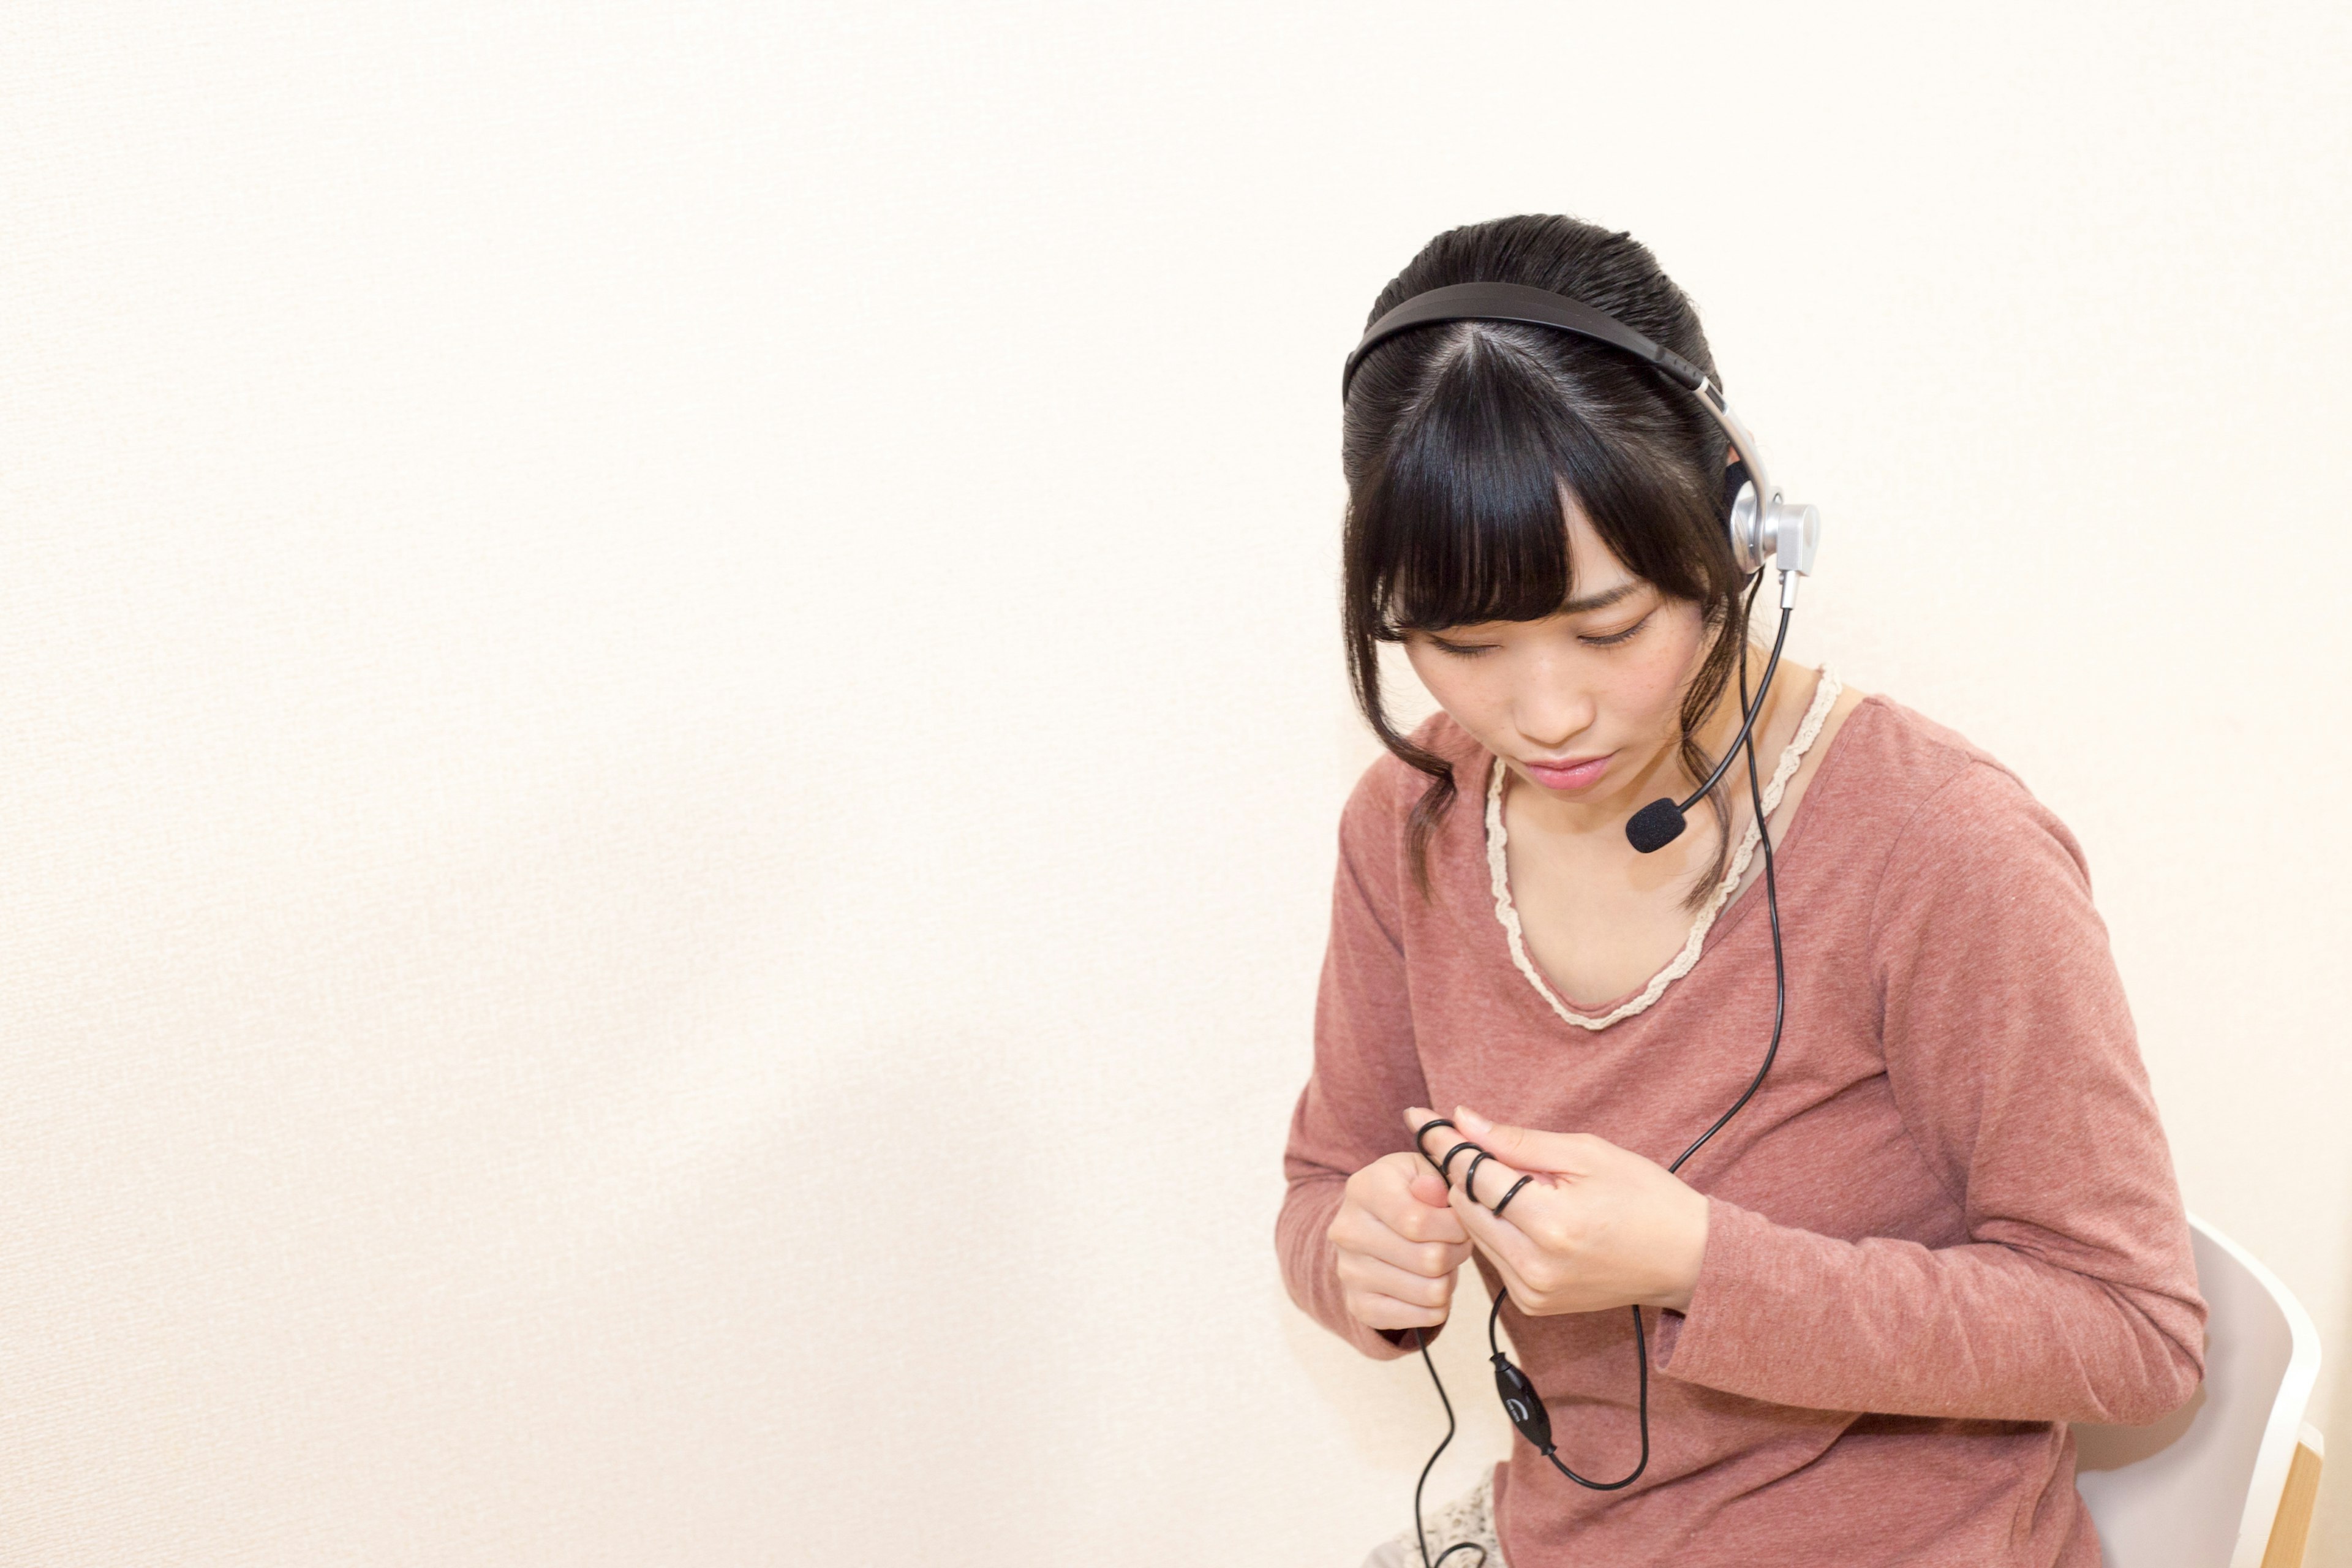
[(1946, 1224)]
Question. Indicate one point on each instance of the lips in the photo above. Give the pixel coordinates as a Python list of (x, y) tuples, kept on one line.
[(1571, 772)]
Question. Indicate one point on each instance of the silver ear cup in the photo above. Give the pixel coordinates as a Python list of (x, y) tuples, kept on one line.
[(1747, 532), (1786, 533)]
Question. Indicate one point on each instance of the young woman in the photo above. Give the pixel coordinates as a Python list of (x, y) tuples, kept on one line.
[(1946, 1223)]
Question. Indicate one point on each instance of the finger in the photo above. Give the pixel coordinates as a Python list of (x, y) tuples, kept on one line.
[(1495, 1235), (1433, 1220), (1491, 1257), (1509, 1278), (1432, 1134), (1429, 1260), (1568, 1153), (1442, 1148), (1407, 1197), (1373, 1276), (1388, 1312), (1485, 1178), (1430, 1191)]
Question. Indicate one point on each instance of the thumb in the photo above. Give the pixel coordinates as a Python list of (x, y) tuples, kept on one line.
[(1525, 1149), (1425, 1188)]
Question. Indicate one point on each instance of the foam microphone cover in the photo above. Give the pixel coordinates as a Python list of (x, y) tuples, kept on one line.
[(1655, 825)]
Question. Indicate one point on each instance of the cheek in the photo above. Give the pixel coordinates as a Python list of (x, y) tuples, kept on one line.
[(1468, 689), (1664, 669)]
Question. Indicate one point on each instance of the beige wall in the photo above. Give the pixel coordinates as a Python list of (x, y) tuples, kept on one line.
[(673, 720)]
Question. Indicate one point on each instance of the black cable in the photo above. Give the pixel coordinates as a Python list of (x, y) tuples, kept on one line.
[(1419, 1530), (1780, 1013), (1772, 898), (1747, 715), (1499, 1207)]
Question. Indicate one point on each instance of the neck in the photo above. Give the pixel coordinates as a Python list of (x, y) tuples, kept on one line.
[(1723, 721)]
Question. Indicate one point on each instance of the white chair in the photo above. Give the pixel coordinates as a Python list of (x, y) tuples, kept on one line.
[(2228, 1480)]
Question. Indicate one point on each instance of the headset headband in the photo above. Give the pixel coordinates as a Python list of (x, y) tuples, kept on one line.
[(1754, 524), (1536, 307)]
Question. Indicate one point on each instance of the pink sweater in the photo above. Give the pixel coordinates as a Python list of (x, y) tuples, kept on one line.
[(1947, 1225)]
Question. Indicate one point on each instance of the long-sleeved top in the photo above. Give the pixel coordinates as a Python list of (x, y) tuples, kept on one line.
[(1945, 1226)]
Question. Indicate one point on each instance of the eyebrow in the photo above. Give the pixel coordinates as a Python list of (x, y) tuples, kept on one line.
[(1600, 601)]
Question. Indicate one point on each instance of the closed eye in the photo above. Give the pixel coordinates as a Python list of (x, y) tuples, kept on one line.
[(1471, 650), (1612, 639)]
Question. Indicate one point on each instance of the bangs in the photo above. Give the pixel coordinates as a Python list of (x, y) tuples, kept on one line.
[(1463, 521)]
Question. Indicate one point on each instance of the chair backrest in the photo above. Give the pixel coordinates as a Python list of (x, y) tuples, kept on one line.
[(2200, 1489)]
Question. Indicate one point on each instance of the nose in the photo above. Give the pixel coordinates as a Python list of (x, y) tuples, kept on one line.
[(1552, 705)]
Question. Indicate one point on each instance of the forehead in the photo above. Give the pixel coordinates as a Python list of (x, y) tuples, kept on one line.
[(1602, 581), (1593, 567)]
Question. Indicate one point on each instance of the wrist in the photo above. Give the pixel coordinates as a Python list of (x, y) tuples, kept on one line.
[(1688, 1255)]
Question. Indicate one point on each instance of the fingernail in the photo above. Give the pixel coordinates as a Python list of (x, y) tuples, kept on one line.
[(1472, 1123)]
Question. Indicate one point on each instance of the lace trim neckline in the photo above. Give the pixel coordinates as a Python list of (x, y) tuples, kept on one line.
[(1498, 871)]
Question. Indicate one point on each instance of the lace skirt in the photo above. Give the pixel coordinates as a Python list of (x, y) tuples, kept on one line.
[(1470, 1517)]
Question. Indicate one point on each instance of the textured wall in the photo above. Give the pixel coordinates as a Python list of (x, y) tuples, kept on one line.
[(673, 720)]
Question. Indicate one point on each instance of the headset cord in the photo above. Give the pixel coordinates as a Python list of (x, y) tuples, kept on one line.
[(1640, 1344), (1420, 1532)]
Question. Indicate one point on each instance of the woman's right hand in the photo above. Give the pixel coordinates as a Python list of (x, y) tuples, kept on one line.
[(1399, 1243)]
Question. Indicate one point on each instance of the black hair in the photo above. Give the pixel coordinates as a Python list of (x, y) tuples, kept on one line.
[(1457, 438)]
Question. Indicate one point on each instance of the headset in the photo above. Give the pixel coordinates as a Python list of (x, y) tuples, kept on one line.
[(1763, 527)]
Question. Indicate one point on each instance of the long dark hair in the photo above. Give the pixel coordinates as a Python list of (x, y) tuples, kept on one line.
[(1457, 438)]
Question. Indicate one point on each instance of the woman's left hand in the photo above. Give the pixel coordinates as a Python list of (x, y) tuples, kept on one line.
[(1599, 1226)]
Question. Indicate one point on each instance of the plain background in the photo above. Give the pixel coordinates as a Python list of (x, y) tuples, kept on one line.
[(674, 718)]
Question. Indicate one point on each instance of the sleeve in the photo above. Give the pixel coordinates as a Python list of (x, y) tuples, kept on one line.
[(2011, 1058), (1367, 1071)]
